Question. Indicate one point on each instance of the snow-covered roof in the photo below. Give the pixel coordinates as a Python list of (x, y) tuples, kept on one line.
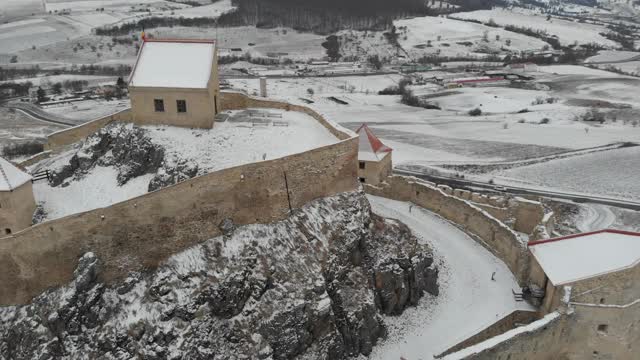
[(582, 256), (370, 148), (173, 64), (10, 176)]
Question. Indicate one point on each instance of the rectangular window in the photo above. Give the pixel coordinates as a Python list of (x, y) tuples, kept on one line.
[(158, 104), (362, 180), (361, 164), (181, 105), (603, 328)]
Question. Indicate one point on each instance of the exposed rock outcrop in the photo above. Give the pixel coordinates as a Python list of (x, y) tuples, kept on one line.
[(129, 150), (123, 146), (314, 286), (172, 172)]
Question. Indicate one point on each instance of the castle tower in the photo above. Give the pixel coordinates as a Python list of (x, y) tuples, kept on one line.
[(17, 203)]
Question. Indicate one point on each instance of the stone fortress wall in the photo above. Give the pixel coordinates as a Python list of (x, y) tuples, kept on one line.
[(576, 331), (140, 233), (490, 231)]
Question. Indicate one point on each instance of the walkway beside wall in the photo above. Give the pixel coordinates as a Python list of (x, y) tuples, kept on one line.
[(469, 300)]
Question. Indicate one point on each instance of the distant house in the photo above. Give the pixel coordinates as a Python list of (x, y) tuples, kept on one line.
[(17, 203), (374, 157), (523, 67), (175, 82), (479, 81)]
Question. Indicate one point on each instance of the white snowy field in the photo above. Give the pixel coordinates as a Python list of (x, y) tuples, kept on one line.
[(242, 139), (10, 9), (99, 188), (613, 56), (91, 5), (450, 134), (211, 10), (52, 79), (88, 109), (567, 32), (454, 37), (613, 173), (469, 300), (38, 31), (280, 42)]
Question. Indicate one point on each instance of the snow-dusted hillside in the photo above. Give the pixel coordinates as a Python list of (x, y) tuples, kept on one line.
[(567, 31), (313, 286)]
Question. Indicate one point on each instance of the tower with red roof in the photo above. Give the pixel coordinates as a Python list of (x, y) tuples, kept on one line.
[(374, 157)]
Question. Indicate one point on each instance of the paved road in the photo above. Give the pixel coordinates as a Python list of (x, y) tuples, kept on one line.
[(597, 217), (472, 185), (468, 301), (39, 114)]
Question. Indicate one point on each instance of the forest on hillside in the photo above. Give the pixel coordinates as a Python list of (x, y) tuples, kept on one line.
[(319, 16), (327, 16)]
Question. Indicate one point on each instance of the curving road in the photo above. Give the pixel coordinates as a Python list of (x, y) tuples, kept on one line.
[(39, 114), (519, 190), (597, 217), (469, 300)]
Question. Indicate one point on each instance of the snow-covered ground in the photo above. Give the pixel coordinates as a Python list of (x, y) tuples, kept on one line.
[(211, 10), (613, 173), (452, 37), (52, 79), (567, 32), (500, 125), (613, 56), (16, 126), (469, 300), (97, 189), (88, 109), (241, 139)]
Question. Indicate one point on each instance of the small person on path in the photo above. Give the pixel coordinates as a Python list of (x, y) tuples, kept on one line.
[(493, 276), (410, 207)]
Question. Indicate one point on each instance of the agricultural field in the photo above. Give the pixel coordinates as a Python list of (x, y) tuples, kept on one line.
[(612, 173), (450, 37), (516, 123), (568, 32), (16, 127)]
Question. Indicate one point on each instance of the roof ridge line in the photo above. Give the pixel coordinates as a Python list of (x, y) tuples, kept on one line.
[(6, 178), (612, 231)]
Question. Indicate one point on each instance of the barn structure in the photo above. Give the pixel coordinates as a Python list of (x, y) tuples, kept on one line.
[(17, 203), (374, 157), (175, 82)]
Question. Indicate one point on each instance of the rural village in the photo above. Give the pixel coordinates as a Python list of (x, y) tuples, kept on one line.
[(177, 182)]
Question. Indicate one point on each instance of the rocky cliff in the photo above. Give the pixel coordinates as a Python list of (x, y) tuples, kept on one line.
[(314, 286), (130, 150)]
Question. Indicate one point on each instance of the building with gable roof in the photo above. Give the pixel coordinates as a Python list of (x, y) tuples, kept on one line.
[(603, 266), (17, 203), (175, 82), (374, 157)]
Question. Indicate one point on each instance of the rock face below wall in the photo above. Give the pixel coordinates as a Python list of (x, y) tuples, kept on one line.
[(313, 286)]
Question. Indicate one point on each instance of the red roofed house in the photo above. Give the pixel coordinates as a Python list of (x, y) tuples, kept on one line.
[(175, 82), (374, 157), (17, 203)]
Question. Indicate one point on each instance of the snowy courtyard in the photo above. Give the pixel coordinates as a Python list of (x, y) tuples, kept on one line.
[(243, 137)]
